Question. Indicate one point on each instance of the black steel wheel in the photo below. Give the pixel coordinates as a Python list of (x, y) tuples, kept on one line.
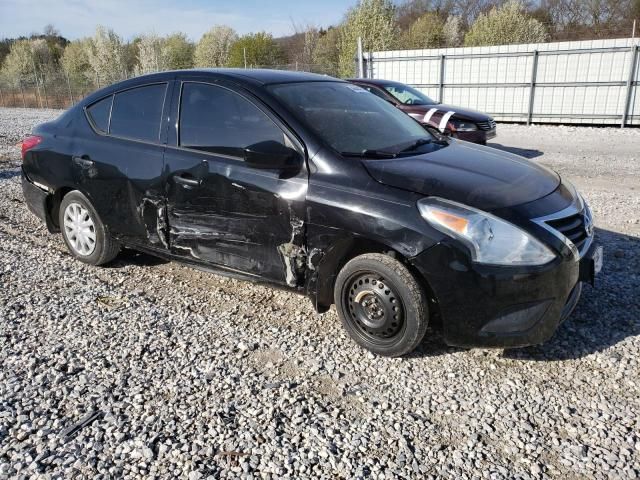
[(381, 304), (374, 306)]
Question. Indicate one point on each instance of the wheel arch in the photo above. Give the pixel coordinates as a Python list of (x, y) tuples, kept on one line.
[(321, 285), (53, 207)]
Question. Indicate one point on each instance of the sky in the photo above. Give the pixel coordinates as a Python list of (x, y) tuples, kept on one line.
[(78, 18)]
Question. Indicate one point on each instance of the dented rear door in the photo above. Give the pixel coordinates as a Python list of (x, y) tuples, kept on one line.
[(220, 211), (120, 167)]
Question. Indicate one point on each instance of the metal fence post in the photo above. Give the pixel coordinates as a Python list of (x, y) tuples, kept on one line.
[(630, 85), (532, 86), (441, 82)]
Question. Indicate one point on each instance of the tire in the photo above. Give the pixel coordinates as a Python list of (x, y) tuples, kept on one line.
[(87, 238), (381, 305)]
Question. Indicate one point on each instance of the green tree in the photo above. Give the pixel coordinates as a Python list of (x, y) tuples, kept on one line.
[(178, 52), (508, 24), (214, 46), (260, 48), (5, 47), (75, 62), (426, 32), (452, 32), (18, 65), (150, 54), (326, 53), (374, 22), (107, 56)]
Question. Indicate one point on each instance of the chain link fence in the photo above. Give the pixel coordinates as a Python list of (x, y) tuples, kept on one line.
[(59, 90), (54, 90)]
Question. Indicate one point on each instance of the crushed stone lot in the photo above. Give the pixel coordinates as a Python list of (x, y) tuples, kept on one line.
[(148, 369)]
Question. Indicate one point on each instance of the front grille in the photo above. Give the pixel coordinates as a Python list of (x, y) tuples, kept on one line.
[(574, 227), (487, 125)]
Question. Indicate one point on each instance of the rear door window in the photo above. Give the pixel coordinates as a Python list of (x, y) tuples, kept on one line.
[(99, 114), (137, 113), (217, 120)]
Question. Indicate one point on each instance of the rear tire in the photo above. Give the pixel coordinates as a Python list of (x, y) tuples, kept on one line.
[(87, 238), (381, 305)]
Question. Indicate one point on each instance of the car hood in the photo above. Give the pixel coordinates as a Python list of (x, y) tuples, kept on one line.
[(458, 112), (481, 177)]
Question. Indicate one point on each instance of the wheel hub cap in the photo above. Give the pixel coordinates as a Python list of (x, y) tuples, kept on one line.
[(80, 229)]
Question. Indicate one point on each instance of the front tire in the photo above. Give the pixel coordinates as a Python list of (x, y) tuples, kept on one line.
[(87, 238), (381, 305)]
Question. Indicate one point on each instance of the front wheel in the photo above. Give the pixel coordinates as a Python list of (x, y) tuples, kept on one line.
[(381, 305)]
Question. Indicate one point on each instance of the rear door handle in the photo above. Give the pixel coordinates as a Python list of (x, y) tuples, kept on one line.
[(83, 161), (183, 179)]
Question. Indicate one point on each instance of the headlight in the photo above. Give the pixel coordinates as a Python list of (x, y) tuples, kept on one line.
[(490, 239), (462, 126)]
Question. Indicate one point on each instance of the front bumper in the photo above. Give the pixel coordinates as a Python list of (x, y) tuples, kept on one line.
[(477, 136), (489, 306)]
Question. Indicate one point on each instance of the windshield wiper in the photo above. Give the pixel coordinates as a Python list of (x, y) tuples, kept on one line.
[(370, 154), (416, 144)]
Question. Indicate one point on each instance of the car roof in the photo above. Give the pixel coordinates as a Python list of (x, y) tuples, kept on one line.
[(253, 75), (256, 77)]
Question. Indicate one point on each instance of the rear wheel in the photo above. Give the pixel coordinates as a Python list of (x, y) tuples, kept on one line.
[(381, 305), (87, 238)]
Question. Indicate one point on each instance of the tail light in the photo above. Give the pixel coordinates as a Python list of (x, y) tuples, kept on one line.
[(29, 142)]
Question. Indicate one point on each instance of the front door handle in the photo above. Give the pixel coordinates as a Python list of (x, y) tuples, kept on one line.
[(186, 179), (83, 161)]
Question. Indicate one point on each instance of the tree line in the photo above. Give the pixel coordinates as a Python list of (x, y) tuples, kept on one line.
[(382, 24)]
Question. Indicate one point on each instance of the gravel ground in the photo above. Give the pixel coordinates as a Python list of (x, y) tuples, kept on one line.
[(150, 369)]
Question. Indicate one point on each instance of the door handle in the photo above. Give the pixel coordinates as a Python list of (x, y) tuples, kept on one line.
[(83, 161), (186, 179)]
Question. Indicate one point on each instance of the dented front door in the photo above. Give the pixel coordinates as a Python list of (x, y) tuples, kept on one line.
[(236, 217), (222, 212)]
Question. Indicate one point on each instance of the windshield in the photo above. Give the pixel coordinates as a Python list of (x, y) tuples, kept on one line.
[(350, 119), (408, 95)]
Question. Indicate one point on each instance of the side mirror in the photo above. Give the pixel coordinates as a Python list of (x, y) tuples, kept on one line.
[(271, 155)]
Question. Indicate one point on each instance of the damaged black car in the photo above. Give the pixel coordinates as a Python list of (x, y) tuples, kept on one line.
[(315, 185)]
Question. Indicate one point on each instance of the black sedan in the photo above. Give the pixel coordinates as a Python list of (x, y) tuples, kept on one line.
[(310, 184), (460, 122)]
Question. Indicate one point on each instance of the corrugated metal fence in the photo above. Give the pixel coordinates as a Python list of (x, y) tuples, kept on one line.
[(587, 82)]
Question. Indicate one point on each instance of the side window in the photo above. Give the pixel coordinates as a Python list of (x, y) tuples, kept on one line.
[(99, 113), (217, 120), (137, 113)]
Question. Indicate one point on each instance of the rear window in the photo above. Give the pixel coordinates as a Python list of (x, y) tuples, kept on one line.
[(99, 113), (137, 113)]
